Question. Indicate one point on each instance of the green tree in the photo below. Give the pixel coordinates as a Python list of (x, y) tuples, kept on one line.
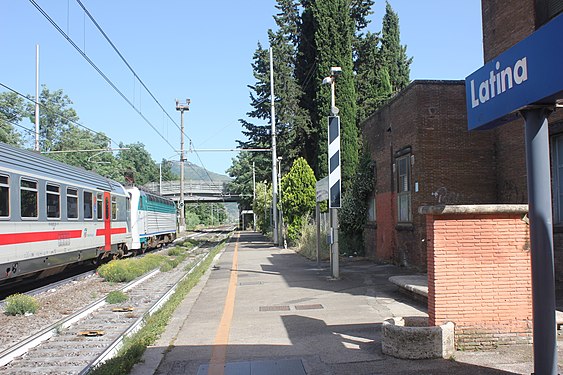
[(12, 111), (55, 117), (394, 55), (353, 214), (262, 205), (298, 196), (166, 171), (137, 164), (241, 171), (326, 41)]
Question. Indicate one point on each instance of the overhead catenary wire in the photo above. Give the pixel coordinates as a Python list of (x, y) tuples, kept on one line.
[(102, 74), (47, 109), (85, 56)]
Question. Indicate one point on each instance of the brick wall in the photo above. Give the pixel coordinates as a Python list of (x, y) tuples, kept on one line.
[(449, 165), (479, 273)]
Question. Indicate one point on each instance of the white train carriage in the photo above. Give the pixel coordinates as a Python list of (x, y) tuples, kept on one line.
[(53, 215), (153, 219)]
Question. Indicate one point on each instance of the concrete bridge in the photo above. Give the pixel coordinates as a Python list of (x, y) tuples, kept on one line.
[(200, 191)]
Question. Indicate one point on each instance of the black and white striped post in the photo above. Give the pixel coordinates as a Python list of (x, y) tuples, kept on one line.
[(334, 180)]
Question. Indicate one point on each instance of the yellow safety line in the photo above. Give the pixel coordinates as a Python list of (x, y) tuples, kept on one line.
[(219, 351)]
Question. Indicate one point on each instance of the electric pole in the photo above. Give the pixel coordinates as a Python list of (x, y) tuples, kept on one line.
[(182, 107)]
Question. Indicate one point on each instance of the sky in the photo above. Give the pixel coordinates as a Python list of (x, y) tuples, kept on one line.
[(192, 49)]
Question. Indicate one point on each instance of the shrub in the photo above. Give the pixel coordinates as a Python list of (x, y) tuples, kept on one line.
[(116, 297), (307, 243), (21, 304), (298, 196)]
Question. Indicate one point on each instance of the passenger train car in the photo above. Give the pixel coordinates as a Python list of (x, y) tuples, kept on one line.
[(153, 219), (53, 215)]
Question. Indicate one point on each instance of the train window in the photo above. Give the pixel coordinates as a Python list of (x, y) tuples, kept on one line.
[(99, 206), (53, 201), (87, 203), (4, 196), (107, 208), (72, 203), (114, 208), (28, 198)]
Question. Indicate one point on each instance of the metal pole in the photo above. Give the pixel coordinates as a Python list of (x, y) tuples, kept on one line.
[(274, 154), (318, 220), (182, 208), (541, 239), (160, 178), (182, 108), (37, 97), (334, 211), (254, 193)]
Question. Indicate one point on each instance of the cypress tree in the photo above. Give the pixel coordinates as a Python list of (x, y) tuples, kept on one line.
[(394, 55), (329, 43)]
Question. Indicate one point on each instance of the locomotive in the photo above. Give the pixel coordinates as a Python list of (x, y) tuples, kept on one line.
[(53, 215), (153, 219)]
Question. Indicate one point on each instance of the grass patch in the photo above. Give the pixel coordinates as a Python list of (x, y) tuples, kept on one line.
[(125, 270), (116, 296), (135, 346), (21, 304), (175, 251)]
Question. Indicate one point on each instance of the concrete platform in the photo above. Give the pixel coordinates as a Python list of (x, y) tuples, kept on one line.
[(286, 311)]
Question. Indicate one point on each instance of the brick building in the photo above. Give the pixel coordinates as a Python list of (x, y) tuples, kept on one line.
[(424, 154)]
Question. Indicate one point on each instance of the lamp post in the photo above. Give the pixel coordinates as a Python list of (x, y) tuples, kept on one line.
[(182, 107), (335, 71)]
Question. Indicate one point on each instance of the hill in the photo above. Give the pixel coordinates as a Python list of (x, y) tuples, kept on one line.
[(193, 172)]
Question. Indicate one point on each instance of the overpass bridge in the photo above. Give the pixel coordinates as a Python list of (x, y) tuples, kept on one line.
[(199, 191)]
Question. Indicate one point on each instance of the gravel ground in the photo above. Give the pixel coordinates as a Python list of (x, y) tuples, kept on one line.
[(55, 304)]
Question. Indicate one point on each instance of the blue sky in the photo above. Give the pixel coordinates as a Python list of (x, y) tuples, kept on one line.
[(193, 49)]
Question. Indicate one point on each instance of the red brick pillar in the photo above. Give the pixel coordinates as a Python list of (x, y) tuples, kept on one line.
[(479, 273)]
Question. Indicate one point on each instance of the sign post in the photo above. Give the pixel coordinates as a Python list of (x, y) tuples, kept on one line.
[(528, 79), (334, 187)]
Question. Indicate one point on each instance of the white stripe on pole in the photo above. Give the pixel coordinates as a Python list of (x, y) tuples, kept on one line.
[(334, 161)]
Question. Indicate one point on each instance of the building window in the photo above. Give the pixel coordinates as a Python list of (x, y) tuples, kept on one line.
[(557, 162), (404, 189), (88, 205), (72, 203), (28, 198), (4, 196)]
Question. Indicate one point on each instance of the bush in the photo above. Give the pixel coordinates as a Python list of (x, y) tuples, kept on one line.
[(116, 297), (21, 304), (298, 197)]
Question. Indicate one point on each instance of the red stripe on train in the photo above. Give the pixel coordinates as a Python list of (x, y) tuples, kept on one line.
[(18, 238), (102, 232)]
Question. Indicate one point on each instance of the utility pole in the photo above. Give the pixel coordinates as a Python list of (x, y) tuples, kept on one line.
[(37, 98), (274, 154), (182, 107)]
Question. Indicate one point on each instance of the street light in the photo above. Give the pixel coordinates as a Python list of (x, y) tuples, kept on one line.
[(182, 107), (335, 71)]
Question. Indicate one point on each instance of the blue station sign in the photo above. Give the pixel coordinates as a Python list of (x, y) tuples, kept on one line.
[(529, 73)]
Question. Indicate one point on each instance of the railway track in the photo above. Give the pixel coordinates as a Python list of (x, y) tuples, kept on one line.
[(92, 335)]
